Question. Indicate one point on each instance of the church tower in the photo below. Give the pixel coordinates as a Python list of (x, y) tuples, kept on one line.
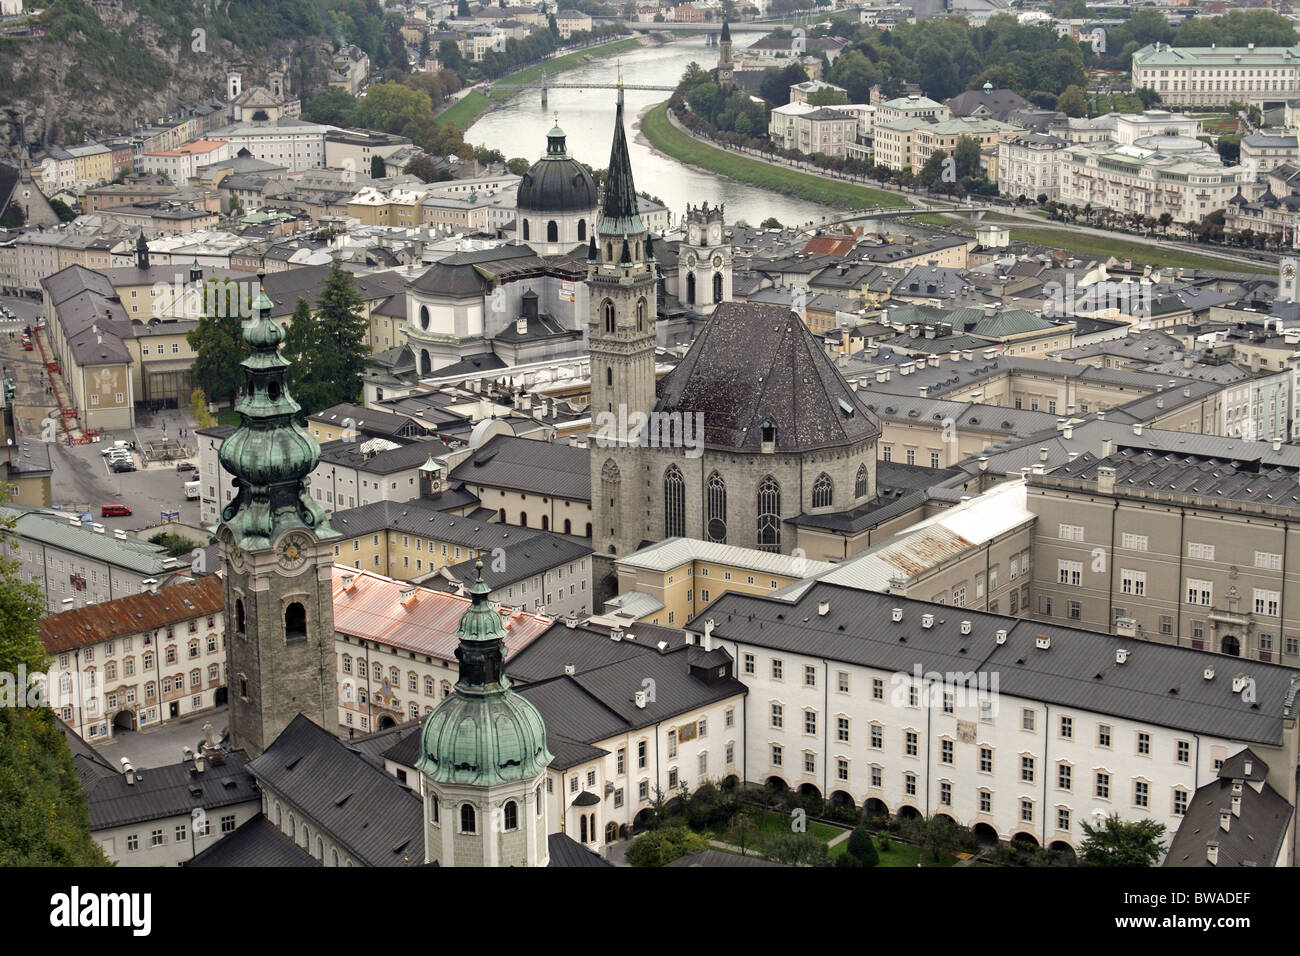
[(725, 68), (621, 281), (483, 757), (277, 555), (704, 260)]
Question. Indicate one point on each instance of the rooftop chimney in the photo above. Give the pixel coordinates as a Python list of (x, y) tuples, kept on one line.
[(1212, 853)]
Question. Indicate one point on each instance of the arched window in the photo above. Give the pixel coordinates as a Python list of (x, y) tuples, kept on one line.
[(546, 522), (279, 814), (690, 288), (335, 854), (295, 622), (511, 815), (609, 377), (862, 484), (1231, 646), (525, 230), (568, 526), (552, 231), (293, 829), (717, 287), (640, 315), (583, 818), (582, 230), (716, 522), (467, 820), (239, 616), (674, 503), (523, 519), (588, 529), (607, 311), (609, 252), (636, 250), (769, 515), (306, 838), (424, 316), (823, 491), (609, 479)]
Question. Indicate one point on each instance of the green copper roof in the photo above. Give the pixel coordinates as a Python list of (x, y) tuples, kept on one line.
[(269, 454), (618, 211), (484, 734)]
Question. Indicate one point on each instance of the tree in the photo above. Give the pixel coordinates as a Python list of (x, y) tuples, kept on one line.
[(796, 849), (62, 210), (1071, 102), (390, 106), (661, 847), (45, 820), (199, 409), (828, 97), (377, 168), (427, 169), (931, 174), (741, 832), (967, 155), (327, 354), (218, 345), (333, 106), (771, 222), (1119, 843), (518, 166), (1229, 148), (862, 848)]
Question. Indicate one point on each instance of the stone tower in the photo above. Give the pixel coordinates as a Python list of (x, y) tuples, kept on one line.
[(483, 757), (621, 281), (277, 554), (725, 68), (704, 260), (1287, 281)]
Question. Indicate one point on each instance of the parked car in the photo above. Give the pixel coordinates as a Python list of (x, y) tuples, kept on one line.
[(114, 511), (123, 465), (186, 466)]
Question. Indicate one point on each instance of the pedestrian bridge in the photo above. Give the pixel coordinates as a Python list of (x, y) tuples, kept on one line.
[(579, 86)]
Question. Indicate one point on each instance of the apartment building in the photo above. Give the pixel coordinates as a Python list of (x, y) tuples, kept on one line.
[(1216, 76), (1174, 548), (138, 661), (1018, 729), (1030, 165)]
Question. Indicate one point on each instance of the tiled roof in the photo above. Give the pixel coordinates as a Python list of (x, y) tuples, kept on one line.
[(134, 614), (524, 464), (257, 843), (169, 791)]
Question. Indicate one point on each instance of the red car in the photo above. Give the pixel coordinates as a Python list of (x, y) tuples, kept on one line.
[(27, 346), (114, 511)]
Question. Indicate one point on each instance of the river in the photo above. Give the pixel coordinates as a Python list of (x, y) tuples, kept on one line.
[(519, 126)]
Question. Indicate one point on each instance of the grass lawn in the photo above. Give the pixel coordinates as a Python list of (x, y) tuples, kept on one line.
[(904, 854), (227, 416), (668, 139), (471, 107), (1089, 245)]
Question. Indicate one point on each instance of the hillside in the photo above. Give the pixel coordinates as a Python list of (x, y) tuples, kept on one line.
[(110, 64)]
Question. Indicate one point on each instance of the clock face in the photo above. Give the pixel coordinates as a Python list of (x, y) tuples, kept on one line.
[(717, 262), (690, 261), (293, 552), (1288, 271)]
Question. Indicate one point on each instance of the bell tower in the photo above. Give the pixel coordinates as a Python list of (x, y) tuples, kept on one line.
[(622, 278), (704, 260), (725, 67), (277, 555)]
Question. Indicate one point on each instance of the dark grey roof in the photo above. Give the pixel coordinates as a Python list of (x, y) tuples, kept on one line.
[(366, 811), (478, 362), (1158, 684), (522, 559), (259, 842), (350, 454), (997, 102), (557, 183), (524, 464), (425, 517), (754, 364), (170, 791), (1256, 832), (566, 851)]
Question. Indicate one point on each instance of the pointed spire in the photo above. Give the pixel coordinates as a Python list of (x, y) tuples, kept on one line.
[(726, 32), (618, 211), (593, 255)]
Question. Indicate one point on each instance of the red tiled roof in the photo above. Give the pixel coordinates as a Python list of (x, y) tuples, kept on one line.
[(135, 614)]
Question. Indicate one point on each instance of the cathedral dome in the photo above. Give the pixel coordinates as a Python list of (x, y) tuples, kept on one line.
[(557, 183)]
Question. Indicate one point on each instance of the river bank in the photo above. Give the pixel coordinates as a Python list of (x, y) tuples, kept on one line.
[(474, 104)]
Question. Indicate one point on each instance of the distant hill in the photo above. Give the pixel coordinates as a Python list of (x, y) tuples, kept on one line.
[(110, 64)]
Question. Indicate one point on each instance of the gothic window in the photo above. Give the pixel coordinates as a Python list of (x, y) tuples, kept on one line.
[(582, 230), (239, 616), (607, 310), (860, 486), (467, 821), (552, 231), (525, 230), (640, 315), (690, 288), (511, 815), (609, 252), (717, 287), (636, 246), (716, 528), (674, 503), (295, 622), (426, 364), (822, 491), (769, 515)]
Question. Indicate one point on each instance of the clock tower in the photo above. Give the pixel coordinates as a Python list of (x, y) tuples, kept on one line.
[(277, 557), (704, 260), (1286, 279)]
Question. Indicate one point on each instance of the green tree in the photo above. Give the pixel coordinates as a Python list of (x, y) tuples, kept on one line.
[(45, 821), (218, 345), (1229, 148), (828, 97), (390, 106), (796, 849), (660, 847), (199, 409), (931, 174), (62, 210), (1116, 842), (771, 222), (333, 106), (862, 848), (377, 168), (742, 832), (967, 155), (1071, 102)]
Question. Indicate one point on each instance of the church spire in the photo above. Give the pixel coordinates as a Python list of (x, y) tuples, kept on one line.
[(726, 32), (618, 213)]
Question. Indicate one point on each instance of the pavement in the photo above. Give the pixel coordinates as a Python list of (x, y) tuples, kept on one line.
[(164, 744)]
